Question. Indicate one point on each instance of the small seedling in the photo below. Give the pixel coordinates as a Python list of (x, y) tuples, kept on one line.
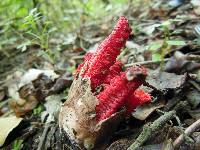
[(160, 48), (17, 144), (37, 110)]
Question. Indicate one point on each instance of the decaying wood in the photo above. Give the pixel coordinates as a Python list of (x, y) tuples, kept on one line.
[(77, 117)]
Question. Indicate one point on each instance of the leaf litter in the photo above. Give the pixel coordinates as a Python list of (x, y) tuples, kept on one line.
[(169, 82)]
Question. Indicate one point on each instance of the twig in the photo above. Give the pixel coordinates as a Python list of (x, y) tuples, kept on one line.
[(150, 129), (188, 131), (150, 62), (195, 85), (43, 137), (7, 113), (4, 103), (193, 57), (78, 57)]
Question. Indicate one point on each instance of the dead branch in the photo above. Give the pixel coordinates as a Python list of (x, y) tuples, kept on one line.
[(150, 129), (195, 126), (43, 137)]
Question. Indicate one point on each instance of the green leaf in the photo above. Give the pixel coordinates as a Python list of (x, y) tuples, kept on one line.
[(37, 110), (176, 42), (24, 45), (156, 57), (52, 30), (155, 46), (18, 144), (166, 23)]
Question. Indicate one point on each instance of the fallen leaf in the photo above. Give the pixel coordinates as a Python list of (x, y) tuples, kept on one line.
[(142, 112), (162, 81), (179, 63), (53, 104), (150, 29), (196, 137), (167, 145), (20, 80), (193, 97), (30, 89), (33, 74), (196, 5), (195, 113), (62, 83), (7, 125), (137, 48), (175, 3), (22, 106)]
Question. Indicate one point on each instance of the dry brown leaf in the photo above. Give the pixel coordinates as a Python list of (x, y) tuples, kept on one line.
[(162, 81), (142, 112), (31, 88), (7, 125)]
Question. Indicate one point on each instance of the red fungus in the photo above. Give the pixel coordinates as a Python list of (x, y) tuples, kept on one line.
[(87, 57), (113, 71), (101, 67), (114, 96), (137, 98), (107, 52)]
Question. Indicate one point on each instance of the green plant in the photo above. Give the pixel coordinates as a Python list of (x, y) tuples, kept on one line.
[(38, 110), (38, 30), (17, 144), (160, 48), (24, 25), (12, 11)]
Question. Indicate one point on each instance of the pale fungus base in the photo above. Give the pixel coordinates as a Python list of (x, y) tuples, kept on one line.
[(77, 117)]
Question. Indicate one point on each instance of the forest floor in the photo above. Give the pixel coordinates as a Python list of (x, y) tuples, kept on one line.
[(165, 38)]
